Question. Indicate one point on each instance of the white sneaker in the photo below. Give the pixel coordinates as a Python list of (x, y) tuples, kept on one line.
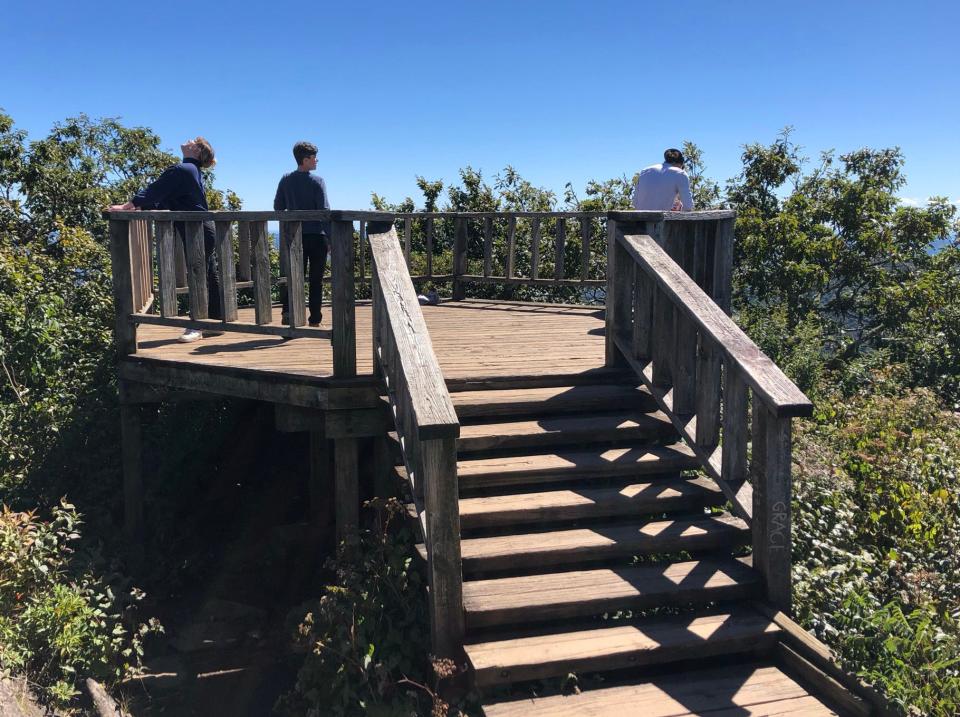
[(189, 336)]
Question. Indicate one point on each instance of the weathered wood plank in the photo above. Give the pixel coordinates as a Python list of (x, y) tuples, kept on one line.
[(228, 276), (708, 392), (735, 402), (642, 324), (429, 246), (585, 234), (407, 239), (180, 264), (723, 264), (260, 248), (196, 270), (684, 365), (166, 268)]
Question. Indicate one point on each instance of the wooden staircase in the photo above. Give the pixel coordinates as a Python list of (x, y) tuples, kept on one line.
[(591, 544), (613, 523)]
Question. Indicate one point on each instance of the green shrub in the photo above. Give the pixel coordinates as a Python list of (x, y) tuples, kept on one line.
[(368, 635), (58, 621)]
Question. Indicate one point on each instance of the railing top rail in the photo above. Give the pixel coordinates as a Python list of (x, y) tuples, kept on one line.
[(764, 377), (363, 215), (430, 401)]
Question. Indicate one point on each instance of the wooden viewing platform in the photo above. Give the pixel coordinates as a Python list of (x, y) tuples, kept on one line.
[(598, 489)]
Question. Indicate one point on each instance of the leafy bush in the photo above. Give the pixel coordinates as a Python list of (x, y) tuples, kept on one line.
[(58, 620), (368, 635), (877, 522)]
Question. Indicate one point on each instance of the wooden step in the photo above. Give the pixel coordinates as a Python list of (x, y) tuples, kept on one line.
[(571, 465), (581, 545), (538, 598), (566, 429), (646, 642), (752, 690), (583, 502), (552, 400)]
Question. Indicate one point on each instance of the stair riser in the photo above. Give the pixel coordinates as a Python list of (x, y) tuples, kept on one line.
[(545, 613), (758, 643), (640, 402), (726, 540), (566, 438)]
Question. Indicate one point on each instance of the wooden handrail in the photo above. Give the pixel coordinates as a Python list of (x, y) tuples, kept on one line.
[(780, 393), (705, 373), (427, 426)]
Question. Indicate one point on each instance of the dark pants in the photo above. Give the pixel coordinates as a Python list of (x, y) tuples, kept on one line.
[(314, 267), (214, 307)]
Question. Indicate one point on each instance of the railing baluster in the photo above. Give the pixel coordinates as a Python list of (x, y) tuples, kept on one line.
[(291, 252), (642, 312), (708, 393), (535, 248), (196, 270), (487, 245), (511, 245), (407, 239), (723, 264), (429, 246), (260, 249), (243, 251), (459, 257), (684, 364), (166, 267), (362, 248), (559, 247), (734, 449), (585, 233), (228, 276), (125, 331)]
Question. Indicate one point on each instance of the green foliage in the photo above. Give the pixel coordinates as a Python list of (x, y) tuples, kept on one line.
[(367, 635), (58, 619), (877, 522)]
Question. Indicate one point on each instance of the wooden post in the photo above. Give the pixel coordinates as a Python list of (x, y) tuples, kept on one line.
[(407, 237), (291, 248), (642, 316), (619, 290), (131, 451), (180, 264), (684, 364), (125, 332), (441, 495), (318, 489), (196, 257), (344, 336), (662, 339), (362, 249), (382, 467), (228, 276), (428, 245), (459, 257), (346, 490), (708, 393), (375, 317), (260, 247), (166, 267), (771, 504)]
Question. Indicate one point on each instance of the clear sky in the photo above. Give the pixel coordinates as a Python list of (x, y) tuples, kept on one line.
[(563, 91)]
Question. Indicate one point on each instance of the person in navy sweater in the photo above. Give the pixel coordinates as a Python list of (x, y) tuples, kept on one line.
[(302, 190), (180, 188)]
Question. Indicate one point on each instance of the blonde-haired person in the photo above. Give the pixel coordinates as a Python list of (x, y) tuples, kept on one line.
[(180, 188)]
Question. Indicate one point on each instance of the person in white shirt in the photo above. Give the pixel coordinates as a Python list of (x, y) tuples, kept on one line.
[(664, 187)]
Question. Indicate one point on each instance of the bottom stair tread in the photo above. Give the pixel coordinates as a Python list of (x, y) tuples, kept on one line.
[(752, 690), (657, 640)]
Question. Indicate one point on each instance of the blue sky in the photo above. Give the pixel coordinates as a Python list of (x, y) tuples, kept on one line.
[(562, 91)]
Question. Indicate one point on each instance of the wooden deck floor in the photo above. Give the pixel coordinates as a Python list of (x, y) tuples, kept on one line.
[(472, 339)]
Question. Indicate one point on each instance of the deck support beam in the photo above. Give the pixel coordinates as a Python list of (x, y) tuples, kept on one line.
[(346, 490)]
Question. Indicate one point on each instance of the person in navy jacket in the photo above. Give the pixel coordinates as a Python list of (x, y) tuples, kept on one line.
[(180, 188)]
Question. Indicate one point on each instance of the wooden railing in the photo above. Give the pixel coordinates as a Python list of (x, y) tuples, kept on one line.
[(183, 262), (704, 371), (427, 427), (504, 248)]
